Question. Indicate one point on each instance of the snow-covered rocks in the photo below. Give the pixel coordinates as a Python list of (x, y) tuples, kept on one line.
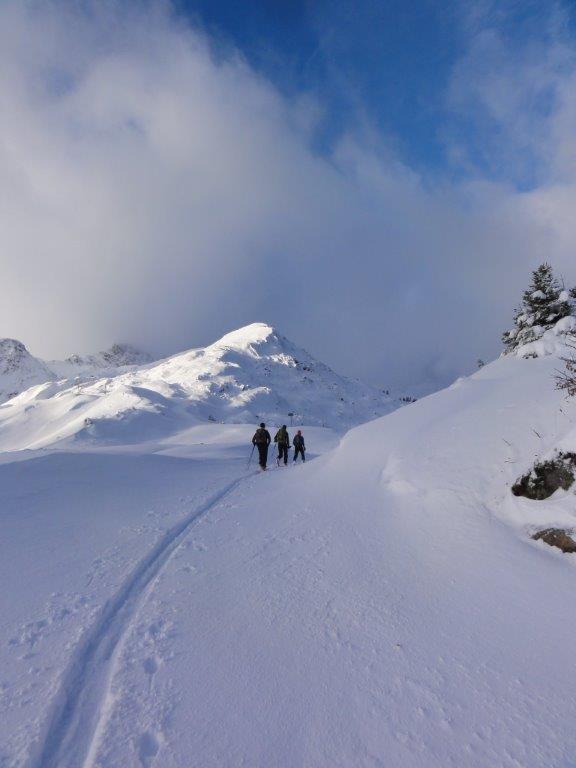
[(557, 537), (118, 356), (546, 477)]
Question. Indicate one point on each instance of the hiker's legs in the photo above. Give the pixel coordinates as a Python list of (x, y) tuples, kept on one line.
[(263, 454)]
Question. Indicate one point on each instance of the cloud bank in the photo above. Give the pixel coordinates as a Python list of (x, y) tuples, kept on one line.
[(155, 189)]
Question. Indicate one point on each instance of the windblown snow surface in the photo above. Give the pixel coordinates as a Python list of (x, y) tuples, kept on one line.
[(165, 606)]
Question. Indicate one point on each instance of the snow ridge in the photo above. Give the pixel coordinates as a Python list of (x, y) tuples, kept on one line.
[(72, 730)]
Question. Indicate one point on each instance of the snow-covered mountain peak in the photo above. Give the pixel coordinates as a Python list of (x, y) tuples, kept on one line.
[(126, 354), (262, 345), (13, 354), (117, 356), (251, 335), (19, 369)]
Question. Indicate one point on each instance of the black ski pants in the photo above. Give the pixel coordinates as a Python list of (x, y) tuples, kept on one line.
[(299, 451), (263, 454), (283, 452)]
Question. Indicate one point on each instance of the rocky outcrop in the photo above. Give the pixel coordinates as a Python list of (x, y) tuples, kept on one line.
[(557, 537), (546, 477), (118, 356)]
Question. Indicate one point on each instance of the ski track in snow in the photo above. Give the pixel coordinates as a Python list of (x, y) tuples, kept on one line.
[(79, 709)]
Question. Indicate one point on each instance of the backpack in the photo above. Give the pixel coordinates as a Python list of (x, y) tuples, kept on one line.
[(261, 436), (282, 437)]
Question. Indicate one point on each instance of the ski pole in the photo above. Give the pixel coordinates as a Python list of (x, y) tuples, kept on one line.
[(251, 454)]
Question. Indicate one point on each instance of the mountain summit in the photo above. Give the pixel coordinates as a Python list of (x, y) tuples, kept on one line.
[(19, 370), (248, 335), (255, 373)]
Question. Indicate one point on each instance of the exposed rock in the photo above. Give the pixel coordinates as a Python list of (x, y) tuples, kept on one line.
[(557, 537), (118, 356), (546, 477)]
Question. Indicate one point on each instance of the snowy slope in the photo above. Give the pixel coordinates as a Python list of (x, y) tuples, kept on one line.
[(75, 529), (382, 605), (249, 375), (372, 610)]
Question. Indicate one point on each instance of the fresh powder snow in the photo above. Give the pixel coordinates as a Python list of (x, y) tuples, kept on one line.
[(164, 604)]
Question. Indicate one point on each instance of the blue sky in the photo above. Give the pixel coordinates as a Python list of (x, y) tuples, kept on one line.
[(383, 61), (387, 62)]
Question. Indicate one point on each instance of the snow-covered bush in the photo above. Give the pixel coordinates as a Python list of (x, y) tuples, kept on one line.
[(566, 379), (544, 319), (546, 477)]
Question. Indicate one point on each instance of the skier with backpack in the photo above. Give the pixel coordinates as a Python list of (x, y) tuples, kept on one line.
[(299, 446), (282, 439), (262, 440)]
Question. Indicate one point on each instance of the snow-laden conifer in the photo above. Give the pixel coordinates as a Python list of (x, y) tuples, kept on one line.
[(544, 304)]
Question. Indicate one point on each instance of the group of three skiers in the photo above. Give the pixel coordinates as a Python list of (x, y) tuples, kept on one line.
[(262, 440)]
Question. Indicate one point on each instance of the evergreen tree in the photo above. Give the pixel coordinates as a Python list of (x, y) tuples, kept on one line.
[(543, 304)]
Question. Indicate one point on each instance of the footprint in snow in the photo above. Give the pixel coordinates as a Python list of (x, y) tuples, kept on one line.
[(151, 666), (148, 748)]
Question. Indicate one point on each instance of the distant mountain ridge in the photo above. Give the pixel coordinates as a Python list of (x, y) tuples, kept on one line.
[(252, 374), (118, 356), (20, 370)]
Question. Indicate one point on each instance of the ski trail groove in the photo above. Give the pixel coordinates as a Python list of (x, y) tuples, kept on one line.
[(76, 708)]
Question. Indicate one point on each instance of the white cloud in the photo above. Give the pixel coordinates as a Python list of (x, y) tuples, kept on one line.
[(155, 190)]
